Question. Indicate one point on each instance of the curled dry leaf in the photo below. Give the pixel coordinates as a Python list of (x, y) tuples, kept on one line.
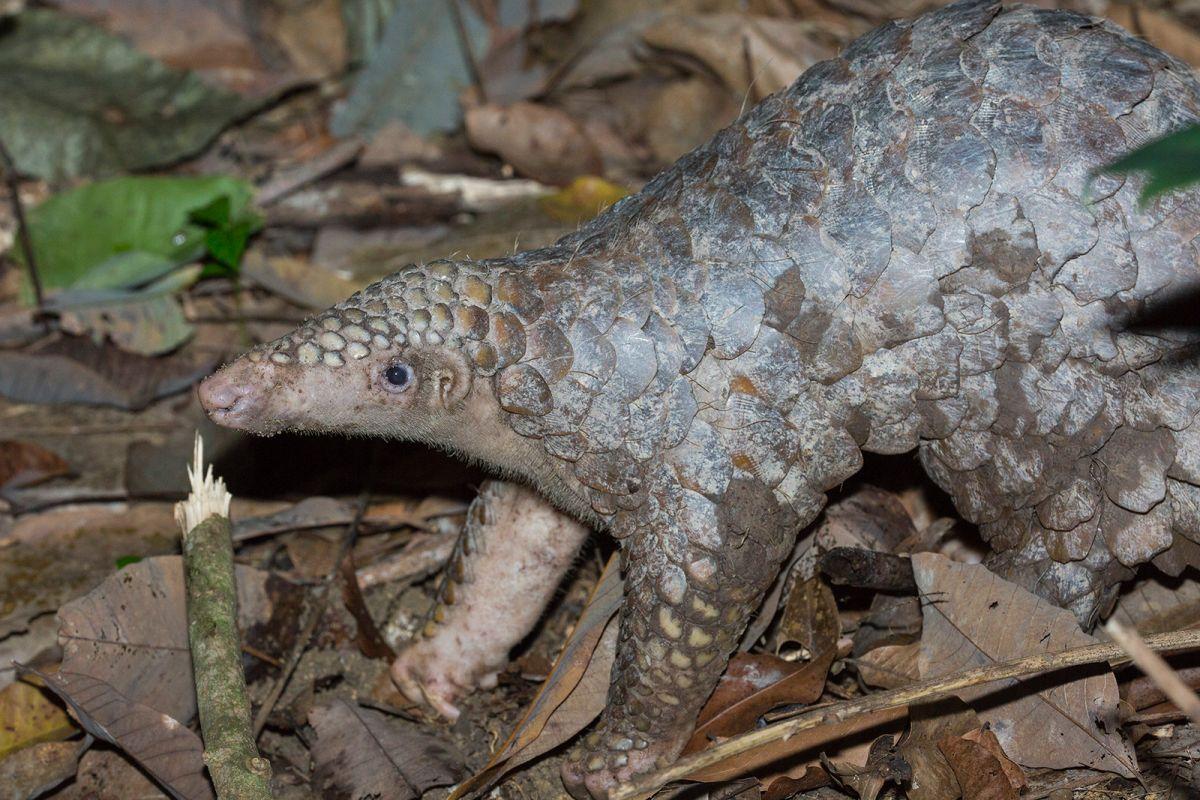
[(974, 618), (1159, 604), (130, 632), (583, 667), (163, 746), (25, 464), (980, 766), (890, 666), (360, 752), (884, 765)]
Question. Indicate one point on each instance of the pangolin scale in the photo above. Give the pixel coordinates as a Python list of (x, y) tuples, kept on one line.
[(902, 251)]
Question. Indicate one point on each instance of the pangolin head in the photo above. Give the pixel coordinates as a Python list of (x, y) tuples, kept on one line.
[(399, 359)]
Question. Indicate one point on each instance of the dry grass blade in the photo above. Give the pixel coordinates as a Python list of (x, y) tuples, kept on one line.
[(938, 687), (1152, 664)]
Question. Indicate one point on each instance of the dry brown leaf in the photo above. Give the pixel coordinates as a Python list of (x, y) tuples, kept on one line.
[(360, 752), (580, 656), (25, 463), (974, 618), (131, 631), (890, 666), (932, 776), (753, 56), (540, 142), (168, 750), (977, 769), (884, 765), (1158, 604), (986, 738), (803, 747), (809, 621)]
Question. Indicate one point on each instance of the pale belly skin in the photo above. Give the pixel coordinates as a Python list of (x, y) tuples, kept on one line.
[(894, 254)]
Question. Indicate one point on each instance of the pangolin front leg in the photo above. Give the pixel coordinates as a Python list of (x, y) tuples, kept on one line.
[(693, 578), (516, 549)]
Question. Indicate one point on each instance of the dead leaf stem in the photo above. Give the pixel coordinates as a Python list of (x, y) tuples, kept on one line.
[(14, 191), (237, 768), (646, 785)]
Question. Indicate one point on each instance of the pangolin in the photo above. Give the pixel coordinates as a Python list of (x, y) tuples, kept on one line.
[(907, 249)]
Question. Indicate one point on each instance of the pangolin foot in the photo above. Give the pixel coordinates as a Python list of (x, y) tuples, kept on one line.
[(607, 759), (424, 674)]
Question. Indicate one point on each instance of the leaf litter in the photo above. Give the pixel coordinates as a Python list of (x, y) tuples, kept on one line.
[(156, 278)]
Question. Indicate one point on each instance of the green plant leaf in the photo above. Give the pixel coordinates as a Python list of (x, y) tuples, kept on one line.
[(141, 222), (215, 214), (1172, 162), (79, 101)]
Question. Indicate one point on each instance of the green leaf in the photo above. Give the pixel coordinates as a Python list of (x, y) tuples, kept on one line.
[(1172, 162), (77, 234), (226, 245), (213, 215), (76, 101), (125, 561)]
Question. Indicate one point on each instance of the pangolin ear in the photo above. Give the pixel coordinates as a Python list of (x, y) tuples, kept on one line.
[(453, 376)]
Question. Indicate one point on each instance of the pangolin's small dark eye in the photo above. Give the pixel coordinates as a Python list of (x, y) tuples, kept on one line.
[(398, 376)]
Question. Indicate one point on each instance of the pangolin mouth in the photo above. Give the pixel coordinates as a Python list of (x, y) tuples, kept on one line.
[(228, 401)]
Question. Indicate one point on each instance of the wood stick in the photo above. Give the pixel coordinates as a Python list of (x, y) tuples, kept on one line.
[(238, 770), (646, 785)]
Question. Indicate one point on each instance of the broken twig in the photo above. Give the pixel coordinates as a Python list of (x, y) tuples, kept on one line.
[(237, 768), (647, 784), (14, 192)]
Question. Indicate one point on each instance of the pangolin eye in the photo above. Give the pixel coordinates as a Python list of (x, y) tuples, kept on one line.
[(398, 377)]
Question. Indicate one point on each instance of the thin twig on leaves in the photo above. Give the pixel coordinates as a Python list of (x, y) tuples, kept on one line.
[(646, 785), (464, 41), (14, 193), (238, 770), (1157, 670)]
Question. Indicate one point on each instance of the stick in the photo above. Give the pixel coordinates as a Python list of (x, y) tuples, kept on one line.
[(14, 191), (1157, 670), (238, 771), (646, 785)]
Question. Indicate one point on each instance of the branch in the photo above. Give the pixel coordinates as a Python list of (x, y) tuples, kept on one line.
[(14, 191), (238, 771), (646, 785), (1157, 670)]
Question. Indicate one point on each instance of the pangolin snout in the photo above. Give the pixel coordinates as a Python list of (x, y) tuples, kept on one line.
[(231, 397)]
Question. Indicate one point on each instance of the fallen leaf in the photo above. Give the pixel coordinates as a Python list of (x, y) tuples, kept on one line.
[(986, 738), (255, 53), (297, 280), (970, 620), (32, 772), (73, 369), (753, 55), (809, 621), (79, 101), (27, 464), (163, 746), (891, 620), (581, 666), (361, 752), (929, 723), (111, 635), (540, 142), (1157, 604), (978, 771), (30, 717), (737, 702), (889, 666), (884, 765)]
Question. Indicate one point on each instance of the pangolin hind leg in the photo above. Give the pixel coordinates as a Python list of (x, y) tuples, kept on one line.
[(515, 551), (693, 578)]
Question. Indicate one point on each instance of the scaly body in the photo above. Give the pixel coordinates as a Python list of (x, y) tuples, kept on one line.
[(893, 254)]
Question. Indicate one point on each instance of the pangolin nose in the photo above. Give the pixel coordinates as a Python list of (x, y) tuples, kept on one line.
[(226, 397)]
